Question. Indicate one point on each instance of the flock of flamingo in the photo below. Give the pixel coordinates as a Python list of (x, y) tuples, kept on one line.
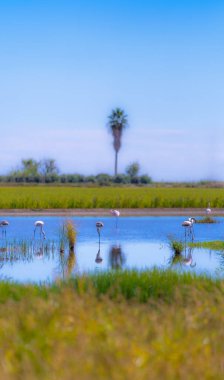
[(39, 224)]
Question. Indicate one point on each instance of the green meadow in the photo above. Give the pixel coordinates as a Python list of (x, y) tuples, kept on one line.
[(115, 326), (44, 197)]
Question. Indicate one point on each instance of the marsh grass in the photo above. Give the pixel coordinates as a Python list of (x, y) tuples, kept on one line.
[(216, 245), (176, 246), (153, 284), (47, 197), (116, 326), (68, 235), (71, 233), (206, 219), (25, 250)]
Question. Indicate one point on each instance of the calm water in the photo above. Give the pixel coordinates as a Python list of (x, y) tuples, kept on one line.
[(136, 242)]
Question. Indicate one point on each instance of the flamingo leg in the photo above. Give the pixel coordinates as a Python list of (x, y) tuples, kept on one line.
[(98, 230), (43, 233), (192, 231)]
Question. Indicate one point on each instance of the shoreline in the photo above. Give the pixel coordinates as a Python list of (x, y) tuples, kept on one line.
[(106, 212)]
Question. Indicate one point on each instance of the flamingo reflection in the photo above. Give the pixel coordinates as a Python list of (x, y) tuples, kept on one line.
[(116, 257), (38, 250), (185, 259), (67, 263), (98, 258)]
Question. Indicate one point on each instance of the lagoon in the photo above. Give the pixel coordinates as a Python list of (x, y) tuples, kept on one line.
[(135, 242)]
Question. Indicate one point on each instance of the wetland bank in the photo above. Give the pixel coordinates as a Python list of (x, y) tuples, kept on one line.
[(127, 321)]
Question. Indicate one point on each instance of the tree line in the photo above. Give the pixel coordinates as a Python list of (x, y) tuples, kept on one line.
[(47, 171)]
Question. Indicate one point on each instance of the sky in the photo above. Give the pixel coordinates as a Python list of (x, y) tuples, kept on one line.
[(64, 65)]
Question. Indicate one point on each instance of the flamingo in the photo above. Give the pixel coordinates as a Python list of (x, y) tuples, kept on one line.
[(188, 225), (99, 225), (208, 210), (39, 224), (115, 213), (3, 225)]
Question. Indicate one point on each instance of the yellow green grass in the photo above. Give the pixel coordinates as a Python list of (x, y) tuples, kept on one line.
[(45, 197), (206, 220), (95, 328), (68, 233), (215, 245)]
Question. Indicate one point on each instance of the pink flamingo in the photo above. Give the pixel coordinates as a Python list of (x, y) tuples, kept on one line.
[(40, 224), (188, 225), (208, 210), (115, 213), (3, 225), (99, 226)]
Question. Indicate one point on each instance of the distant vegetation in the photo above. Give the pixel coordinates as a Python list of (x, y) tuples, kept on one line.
[(46, 171)]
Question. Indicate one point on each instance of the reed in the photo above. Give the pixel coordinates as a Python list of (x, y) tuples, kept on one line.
[(68, 235), (25, 250), (176, 246)]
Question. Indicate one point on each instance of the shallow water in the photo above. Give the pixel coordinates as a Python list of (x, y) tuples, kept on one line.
[(135, 242)]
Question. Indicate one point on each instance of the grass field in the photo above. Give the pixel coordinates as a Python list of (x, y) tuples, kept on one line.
[(46, 197), (116, 326)]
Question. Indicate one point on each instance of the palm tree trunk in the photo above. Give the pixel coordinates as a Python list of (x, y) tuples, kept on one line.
[(115, 168)]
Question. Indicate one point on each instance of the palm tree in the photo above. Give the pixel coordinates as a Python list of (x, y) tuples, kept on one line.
[(117, 123)]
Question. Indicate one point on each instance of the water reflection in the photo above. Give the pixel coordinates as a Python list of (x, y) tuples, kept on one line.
[(116, 257), (67, 263), (38, 249), (27, 250), (186, 259), (98, 258), (23, 258)]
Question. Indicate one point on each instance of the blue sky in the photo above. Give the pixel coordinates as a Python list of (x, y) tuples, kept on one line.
[(65, 64)]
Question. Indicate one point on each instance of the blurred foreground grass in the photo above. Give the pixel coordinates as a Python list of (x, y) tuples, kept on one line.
[(125, 325)]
